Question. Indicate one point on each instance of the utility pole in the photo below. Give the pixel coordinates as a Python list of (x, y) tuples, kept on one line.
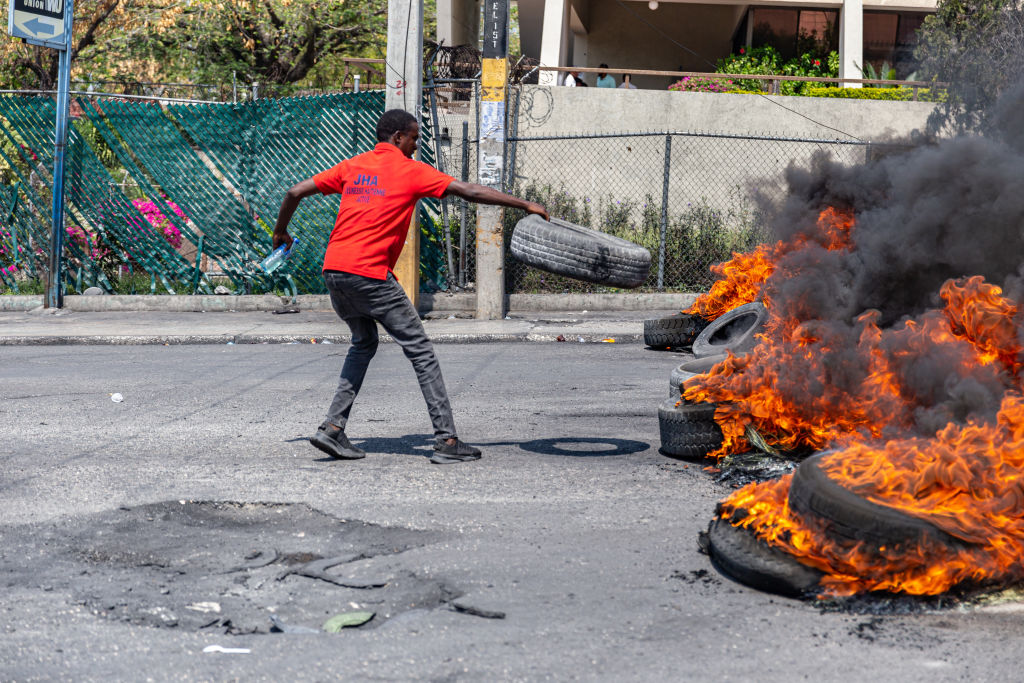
[(405, 91), (49, 26), (490, 237)]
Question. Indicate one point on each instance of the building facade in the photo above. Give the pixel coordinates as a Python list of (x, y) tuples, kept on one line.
[(675, 35)]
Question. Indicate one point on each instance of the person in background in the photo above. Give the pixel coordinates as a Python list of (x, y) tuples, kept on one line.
[(604, 80), (627, 83), (574, 80)]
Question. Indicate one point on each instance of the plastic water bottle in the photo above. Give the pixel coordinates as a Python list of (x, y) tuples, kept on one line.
[(277, 257)]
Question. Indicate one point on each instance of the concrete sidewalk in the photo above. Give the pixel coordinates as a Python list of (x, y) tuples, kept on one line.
[(264, 327), (309, 319)]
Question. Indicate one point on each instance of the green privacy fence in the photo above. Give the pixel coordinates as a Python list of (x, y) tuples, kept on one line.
[(184, 193)]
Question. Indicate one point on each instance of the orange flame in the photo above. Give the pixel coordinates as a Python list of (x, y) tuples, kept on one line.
[(811, 385), (966, 481), (740, 279)]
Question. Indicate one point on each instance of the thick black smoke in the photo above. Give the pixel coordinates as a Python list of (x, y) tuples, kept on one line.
[(948, 210), (945, 210)]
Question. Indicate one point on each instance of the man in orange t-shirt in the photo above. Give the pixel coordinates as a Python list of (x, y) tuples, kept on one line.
[(379, 190)]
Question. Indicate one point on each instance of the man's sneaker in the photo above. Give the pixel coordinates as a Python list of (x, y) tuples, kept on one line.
[(334, 443), (457, 452)]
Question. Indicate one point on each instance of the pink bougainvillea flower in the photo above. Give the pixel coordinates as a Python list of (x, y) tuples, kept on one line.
[(159, 221)]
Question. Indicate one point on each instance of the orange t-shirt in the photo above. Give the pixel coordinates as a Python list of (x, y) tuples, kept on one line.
[(379, 190)]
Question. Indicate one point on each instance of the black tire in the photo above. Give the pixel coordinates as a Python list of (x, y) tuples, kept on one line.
[(739, 554), (845, 515), (733, 331), (674, 331), (562, 248), (691, 368), (688, 430)]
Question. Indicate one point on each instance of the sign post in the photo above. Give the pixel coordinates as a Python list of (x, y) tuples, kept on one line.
[(47, 23), (490, 237)]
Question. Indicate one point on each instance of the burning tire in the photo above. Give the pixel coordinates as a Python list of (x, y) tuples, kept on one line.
[(845, 515), (688, 369), (688, 430), (674, 331), (733, 331), (739, 554), (562, 248)]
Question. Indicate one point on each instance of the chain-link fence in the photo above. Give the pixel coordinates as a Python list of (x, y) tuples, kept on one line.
[(452, 110), (687, 197), (177, 196), (182, 197)]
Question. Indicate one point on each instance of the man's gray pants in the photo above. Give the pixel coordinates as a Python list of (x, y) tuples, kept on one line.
[(362, 302)]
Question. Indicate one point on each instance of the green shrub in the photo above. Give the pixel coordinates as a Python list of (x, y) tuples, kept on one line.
[(766, 60), (900, 94)]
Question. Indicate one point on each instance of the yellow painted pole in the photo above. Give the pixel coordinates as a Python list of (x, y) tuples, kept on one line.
[(407, 270)]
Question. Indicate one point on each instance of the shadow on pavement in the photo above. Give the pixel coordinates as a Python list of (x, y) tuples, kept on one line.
[(410, 444), (570, 446), (564, 446)]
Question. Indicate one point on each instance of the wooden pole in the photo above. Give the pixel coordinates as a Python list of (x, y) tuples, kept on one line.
[(405, 91)]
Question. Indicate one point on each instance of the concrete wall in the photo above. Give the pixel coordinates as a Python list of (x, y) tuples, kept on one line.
[(720, 172), (557, 111), (716, 171)]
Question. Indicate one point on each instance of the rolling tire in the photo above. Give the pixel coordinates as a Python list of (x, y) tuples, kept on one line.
[(845, 515), (732, 331), (740, 555), (688, 430), (563, 248), (673, 331), (691, 368)]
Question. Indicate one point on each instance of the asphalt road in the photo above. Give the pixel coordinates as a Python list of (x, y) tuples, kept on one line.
[(115, 559)]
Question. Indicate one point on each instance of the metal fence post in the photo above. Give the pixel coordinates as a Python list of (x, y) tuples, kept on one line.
[(664, 213), (435, 137), (462, 210), (513, 142), (54, 287)]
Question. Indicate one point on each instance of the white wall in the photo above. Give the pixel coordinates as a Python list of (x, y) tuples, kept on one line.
[(709, 169), (577, 110)]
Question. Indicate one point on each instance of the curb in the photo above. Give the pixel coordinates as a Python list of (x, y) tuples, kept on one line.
[(240, 339), (459, 302)]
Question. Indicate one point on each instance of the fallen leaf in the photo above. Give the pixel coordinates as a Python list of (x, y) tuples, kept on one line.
[(346, 620)]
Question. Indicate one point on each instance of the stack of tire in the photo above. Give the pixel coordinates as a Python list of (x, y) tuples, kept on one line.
[(837, 512), (688, 430)]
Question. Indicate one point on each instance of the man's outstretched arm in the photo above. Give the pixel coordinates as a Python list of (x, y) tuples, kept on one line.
[(481, 194), (291, 201)]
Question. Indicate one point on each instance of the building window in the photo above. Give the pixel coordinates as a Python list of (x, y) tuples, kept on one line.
[(890, 39), (794, 32)]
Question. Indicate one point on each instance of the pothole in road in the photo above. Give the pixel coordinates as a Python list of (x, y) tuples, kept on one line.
[(223, 566)]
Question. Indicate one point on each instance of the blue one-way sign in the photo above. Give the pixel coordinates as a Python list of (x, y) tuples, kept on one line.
[(40, 22)]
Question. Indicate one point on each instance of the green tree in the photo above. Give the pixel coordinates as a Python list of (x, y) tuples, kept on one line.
[(977, 46), (209, 41), (270, 42), (101, 31)]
